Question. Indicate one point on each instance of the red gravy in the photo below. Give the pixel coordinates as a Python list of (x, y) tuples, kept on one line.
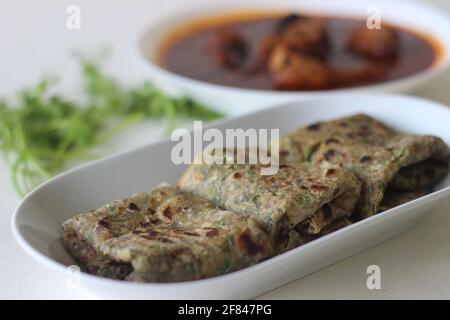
[(186, 53)]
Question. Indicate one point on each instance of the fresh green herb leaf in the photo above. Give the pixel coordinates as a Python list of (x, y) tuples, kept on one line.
[(42, 132)]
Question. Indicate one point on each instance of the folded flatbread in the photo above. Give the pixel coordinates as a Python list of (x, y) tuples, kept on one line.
[(296, 238), (381, 157), (300, 200), (164, 235)]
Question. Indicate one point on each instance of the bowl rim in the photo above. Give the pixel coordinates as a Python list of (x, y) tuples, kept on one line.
[(438, 67)]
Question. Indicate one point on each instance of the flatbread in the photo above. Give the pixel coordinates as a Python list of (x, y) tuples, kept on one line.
[(377, 154), (164, 235), (393, 198), (297, 239), (300, 198)]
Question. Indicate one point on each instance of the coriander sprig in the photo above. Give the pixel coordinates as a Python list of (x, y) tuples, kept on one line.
[(42, 132)]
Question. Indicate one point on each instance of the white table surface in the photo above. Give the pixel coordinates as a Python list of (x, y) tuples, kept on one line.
[(35, 41)]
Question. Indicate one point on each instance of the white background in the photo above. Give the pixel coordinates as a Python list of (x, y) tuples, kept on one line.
[(34, 41)]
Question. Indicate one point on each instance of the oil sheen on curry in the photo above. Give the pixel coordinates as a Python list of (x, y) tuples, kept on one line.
[(295, 52)]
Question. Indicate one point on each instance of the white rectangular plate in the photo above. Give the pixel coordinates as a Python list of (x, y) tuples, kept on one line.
[(37, 220)]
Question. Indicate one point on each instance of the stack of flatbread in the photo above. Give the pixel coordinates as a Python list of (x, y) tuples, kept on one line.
[(225, 217)]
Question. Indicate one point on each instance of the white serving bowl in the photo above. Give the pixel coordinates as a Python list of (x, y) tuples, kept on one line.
[(414, 16), (37, 220)]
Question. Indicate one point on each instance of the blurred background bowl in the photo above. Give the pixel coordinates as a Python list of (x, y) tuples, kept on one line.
[(411, 15)]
